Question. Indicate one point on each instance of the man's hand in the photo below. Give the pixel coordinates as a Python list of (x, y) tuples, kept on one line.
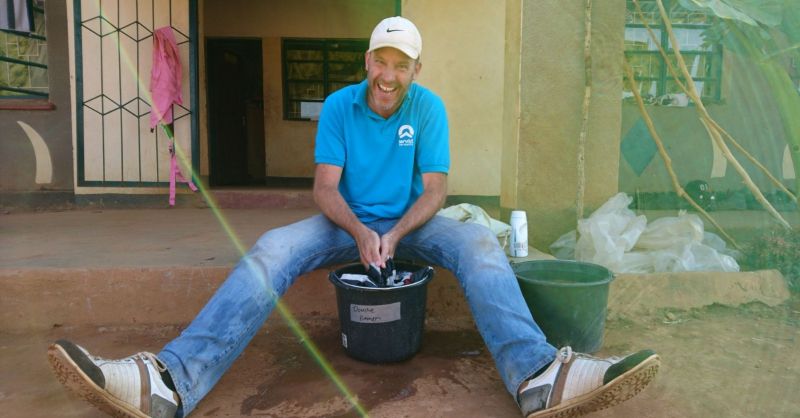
[(369, 247), (431, 200), (388, 245)]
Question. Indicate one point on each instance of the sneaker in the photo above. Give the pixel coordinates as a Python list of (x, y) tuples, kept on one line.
[(576, 384), (130, 387)]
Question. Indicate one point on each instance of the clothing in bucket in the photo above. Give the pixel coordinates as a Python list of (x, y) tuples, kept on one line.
[(384, 277)]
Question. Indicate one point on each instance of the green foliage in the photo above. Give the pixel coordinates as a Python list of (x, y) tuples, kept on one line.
[(769, 27), (778, 250)]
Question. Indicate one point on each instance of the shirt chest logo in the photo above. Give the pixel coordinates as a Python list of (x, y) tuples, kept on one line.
[(405, 136)]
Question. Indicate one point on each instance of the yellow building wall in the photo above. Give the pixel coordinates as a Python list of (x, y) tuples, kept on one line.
[(289, 144), (463, 57)]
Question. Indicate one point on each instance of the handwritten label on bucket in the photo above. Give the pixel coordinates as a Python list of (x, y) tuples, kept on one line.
[(375, 314)]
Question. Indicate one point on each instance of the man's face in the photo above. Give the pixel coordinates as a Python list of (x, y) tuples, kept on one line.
[(390, 73)]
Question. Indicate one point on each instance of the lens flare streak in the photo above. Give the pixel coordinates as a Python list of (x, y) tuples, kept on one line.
[(282, 309)]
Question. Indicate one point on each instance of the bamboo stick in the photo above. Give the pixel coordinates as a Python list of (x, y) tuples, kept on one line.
[(715, 135), (665, 156), (728, 136), (753, 160), (587, 96)]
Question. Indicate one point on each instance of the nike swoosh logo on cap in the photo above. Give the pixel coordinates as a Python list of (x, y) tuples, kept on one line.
[(393, 30)]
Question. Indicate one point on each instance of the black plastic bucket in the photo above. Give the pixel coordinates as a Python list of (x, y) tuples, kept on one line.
[(568, 300), (382, 325)]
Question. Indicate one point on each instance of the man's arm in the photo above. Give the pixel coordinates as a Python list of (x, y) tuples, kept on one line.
[(332, 204), (426, 206)]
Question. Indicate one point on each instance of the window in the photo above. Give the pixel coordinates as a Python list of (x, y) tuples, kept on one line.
[(23, 54), (315, 68), (655, 81)]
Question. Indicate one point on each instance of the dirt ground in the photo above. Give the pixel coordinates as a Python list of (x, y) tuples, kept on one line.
[(717, 362)]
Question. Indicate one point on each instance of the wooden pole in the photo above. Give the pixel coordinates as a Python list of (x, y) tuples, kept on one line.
[(587, 96)]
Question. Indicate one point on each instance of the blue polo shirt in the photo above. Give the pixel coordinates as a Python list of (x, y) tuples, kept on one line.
[(382, 160)]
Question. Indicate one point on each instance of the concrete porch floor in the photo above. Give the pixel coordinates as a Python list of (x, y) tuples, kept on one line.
[(110, 279)]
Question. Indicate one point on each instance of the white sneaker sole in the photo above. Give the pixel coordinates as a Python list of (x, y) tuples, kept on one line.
[(619, 390), (71, 376)]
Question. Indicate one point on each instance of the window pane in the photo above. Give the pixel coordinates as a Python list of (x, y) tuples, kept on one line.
[(677, 14), (311, 63), (648, 89), (638, 39), (645, 65), (353, 72), (304, 55), (305, 71), (293, 110), (680, 16), (38, 79), (336, 86), (305, 91), (707, 88), (689, 39), (649, 9), (699, 65), (349, 56), (26, 49)]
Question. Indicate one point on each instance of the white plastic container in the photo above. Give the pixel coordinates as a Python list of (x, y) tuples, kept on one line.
[(519, 234)]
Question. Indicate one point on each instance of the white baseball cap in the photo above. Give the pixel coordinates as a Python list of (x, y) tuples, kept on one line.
[(397, 32)]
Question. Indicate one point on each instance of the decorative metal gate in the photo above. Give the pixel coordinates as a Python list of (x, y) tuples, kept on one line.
[(113, 58)]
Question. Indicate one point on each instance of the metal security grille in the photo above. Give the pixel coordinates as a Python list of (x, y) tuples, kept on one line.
[(114, 44)]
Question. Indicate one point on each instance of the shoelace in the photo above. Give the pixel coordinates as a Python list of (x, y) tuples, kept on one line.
[(146, 355), (564, 355)]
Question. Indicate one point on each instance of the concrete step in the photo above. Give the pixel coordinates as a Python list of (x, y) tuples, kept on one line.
[(43, 298), (39, 299), (106, 267), (264, 198)]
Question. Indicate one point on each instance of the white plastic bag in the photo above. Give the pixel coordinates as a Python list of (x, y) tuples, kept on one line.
[(564, 247), (671, 232), (692, 257), (714, 241), (611, 231), (614, 237), (676, 244)]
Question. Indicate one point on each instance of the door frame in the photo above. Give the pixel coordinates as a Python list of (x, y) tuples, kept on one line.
[(206, 91)]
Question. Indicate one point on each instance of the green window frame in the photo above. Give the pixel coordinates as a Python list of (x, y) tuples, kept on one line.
[(315, 68), (653, 77), (23, 59)]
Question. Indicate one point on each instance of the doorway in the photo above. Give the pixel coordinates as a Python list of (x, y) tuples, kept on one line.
[(234, 74)]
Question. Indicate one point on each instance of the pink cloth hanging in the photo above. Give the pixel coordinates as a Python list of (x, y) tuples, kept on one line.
[(165, 90), (165, 76), (175, 174)]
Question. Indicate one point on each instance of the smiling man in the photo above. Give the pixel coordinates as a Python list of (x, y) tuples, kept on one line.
[(382, 155)]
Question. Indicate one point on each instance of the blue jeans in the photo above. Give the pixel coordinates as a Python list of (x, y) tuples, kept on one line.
[(199, 357)]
